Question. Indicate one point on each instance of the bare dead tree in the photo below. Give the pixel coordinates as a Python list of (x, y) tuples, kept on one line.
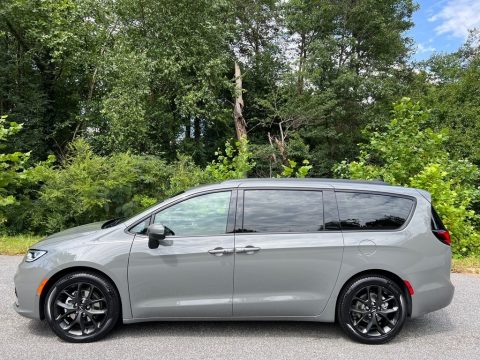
[(240, 123)]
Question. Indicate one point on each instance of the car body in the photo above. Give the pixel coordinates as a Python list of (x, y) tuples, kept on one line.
[(288, 249)]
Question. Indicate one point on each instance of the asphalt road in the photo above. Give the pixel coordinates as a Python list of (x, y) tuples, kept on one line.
[(451, 333)]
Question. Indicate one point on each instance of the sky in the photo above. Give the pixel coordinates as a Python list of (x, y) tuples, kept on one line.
[(442, 25)]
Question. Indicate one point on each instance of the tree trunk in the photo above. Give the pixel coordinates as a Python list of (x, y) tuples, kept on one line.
[(196, 129), (240, 124), (301, 63)]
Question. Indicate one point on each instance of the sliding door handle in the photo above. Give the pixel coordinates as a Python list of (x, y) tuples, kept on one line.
[(219, 251), (248, 250)]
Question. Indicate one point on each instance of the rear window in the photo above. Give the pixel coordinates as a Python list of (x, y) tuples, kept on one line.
[(437, 223), (282, 211), (364, 211)]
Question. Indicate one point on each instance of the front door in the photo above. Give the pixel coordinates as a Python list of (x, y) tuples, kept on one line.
[(191, 273), (288, 252)]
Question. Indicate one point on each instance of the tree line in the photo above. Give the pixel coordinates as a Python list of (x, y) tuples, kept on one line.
[(168, 83)]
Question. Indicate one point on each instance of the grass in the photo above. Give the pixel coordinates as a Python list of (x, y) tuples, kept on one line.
[(16, 245), (469, 265)]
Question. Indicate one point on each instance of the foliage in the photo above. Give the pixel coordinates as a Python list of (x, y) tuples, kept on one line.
[(451, 89), (148, 85), (409, 153), (292, 170), (86, 187), (12, 165), (234, 164)]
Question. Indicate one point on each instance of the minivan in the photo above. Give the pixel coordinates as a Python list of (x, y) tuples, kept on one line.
[(366, 255)]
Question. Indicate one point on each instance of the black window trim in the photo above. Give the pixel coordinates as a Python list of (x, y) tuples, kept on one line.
[(235, 213), (241, 208), (231, 217), (373, 192)]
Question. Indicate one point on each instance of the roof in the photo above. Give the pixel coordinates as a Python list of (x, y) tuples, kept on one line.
[(338, 184)]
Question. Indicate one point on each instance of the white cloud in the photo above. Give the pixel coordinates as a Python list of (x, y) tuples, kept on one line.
[(424, 48), (457, 17)]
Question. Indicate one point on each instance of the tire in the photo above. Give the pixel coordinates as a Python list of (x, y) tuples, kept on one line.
[(362, 318), (82, 307)]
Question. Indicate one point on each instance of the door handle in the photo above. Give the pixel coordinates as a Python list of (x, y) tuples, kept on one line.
[(248, 250), (219, 251)]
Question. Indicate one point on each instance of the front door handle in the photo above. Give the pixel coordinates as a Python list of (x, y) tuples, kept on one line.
[(248, 250), (219, 251)]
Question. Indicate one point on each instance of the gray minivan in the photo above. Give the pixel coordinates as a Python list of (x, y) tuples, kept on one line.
[(364, 254)]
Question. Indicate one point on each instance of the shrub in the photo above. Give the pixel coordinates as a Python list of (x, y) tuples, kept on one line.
[(86, 187), (293, 170), (408, 153), (234, 164), (11, 166)]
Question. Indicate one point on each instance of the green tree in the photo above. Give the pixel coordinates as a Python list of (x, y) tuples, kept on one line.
[(451, 88), (48, 53), (409, 153), (349, 62)]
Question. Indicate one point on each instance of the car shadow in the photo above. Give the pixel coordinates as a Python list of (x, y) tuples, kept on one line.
[(423, 326), (430, 324)]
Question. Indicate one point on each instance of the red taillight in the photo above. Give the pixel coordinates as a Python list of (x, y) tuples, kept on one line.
[(443, 236)]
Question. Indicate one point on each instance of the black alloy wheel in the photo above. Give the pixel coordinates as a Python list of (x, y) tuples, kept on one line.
[(82, 307), (372, 309)]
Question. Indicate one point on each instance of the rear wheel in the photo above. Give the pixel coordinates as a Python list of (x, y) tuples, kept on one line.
[(372, 309), (82, 307)]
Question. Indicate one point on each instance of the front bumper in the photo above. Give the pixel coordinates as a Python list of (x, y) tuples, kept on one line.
[(27, 279)]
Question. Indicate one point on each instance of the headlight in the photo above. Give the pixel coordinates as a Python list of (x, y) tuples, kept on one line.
[(33, 255)]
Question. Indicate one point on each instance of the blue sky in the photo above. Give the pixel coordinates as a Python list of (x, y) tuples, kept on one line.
[(442, 25)]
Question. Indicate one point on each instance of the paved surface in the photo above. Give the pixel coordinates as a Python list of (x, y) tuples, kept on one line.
[(451, 333)]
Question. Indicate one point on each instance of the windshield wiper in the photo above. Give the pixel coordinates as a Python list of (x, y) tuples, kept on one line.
[(112, 222)]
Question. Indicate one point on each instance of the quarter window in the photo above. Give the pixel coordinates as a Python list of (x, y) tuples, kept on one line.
[(202, 215), (362, 211), (282, 211)]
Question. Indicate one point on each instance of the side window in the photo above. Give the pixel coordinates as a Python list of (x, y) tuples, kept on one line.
[(282, 211), (362, 211), (141, 227), (201, 215)]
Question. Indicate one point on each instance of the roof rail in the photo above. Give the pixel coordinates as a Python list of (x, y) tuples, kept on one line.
[(373, 182)]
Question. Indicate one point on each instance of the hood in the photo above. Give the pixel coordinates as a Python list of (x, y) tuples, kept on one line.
[(74, 233)]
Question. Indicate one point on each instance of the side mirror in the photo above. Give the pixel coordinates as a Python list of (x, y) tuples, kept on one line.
[(156, 233)]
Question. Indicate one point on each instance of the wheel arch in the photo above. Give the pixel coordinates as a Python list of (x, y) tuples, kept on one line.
[(390, 275), (69, 270)]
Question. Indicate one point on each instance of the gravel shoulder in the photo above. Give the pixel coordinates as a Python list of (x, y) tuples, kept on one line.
[(451, 333)]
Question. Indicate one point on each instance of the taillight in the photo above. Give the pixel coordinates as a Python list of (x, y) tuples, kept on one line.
[(443, 236)]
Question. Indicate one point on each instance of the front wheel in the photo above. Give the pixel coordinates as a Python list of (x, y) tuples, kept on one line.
[(372, 309), (82, 307)]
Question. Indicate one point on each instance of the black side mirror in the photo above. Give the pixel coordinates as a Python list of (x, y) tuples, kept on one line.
[(156, 236), (156, 233)]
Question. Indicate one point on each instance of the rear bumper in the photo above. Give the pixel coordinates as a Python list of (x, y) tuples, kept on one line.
[(432, 297)]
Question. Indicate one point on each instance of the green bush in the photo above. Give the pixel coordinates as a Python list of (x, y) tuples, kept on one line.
[(11, 166), (408, 153), (234, 164), (86, 187)]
